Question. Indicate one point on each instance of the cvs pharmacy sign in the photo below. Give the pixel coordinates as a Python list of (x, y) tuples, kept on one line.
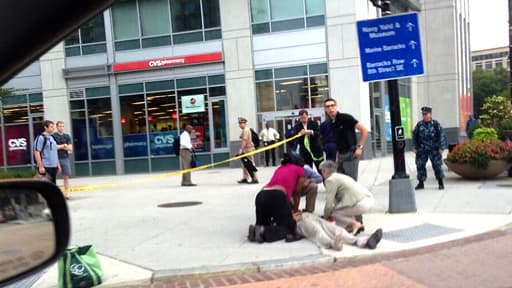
[(17, 144)]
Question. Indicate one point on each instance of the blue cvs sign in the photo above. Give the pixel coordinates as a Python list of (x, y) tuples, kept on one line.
[(390, 47)]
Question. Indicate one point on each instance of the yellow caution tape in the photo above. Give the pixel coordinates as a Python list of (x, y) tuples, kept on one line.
[(125, 183)]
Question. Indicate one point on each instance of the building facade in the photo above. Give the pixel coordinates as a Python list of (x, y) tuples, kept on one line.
[(127, 80), (490, 59)]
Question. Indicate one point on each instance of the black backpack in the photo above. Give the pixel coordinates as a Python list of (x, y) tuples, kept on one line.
[(255, 138), (176, 146)]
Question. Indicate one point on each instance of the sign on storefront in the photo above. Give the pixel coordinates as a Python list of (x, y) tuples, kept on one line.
[(192, 103)]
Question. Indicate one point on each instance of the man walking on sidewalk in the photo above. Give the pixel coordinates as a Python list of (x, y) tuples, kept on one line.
[(186, 149)]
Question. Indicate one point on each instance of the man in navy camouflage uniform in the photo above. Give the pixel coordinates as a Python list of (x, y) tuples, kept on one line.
[(429, 141)]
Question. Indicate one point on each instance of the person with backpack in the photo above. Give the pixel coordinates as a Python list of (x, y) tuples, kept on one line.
[(64, 147), (429, 141), (45, 152), (246, 147)]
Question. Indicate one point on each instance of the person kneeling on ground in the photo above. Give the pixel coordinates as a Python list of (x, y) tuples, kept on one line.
[(274, 203), (326, 234), (346, 198)]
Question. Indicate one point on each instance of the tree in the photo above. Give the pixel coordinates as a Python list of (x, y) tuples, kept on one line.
[(487, 83)]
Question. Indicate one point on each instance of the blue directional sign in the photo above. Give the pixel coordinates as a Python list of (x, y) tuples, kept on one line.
[(390, 47)]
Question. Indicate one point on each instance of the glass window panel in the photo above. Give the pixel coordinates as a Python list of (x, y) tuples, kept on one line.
[(73, 51), (125, 19), (35, 97), (131, 88), (313, 21), (187, 37), (314, 7), (199, 120), (99, 112), (212, 34), (220, 136), (260, 28), (186, 15), (288, 25), (94, 49), (217, 91), (36, 108), (127, 45), (159, 85), (133, 123), (286, 9), (162, 119), (77, 105), (72, 39), (211, 13), (154, 17), (263, 74), (319, 87), (216, 80), (93, 31), (191, 82), (80, 145), (259, 11), (15, 114), (14, 99), (315, 69), (156, 42), (291, 72), (97, 91), (265, 96), (292, 94)]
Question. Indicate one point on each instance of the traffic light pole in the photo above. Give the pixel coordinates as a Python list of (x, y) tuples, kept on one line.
[(401, 193)]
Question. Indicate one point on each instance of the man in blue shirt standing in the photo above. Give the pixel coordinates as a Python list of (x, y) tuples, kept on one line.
[(45, 152)]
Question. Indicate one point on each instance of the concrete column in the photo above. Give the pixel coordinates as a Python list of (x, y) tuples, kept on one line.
[(238, 66), (56, 106), (345, 80)]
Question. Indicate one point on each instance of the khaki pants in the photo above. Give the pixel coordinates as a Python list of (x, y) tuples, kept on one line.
[(310, 192), (185, 164), (345, 215)]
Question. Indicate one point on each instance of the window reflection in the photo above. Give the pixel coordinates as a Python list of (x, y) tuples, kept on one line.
[(292, 94), (162, 119), (133, 121), (265, 96), (319, 89), (219, 123), (100, 128), (198, 120)]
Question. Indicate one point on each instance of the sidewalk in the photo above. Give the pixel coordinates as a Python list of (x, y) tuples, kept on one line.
[(139, 241)]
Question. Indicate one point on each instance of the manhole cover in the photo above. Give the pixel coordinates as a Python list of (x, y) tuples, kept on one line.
[(179, 204)]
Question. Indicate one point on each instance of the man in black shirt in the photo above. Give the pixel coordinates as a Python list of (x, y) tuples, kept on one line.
[(348, 148)]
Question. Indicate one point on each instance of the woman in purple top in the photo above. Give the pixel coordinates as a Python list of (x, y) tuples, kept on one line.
[(274, 219)]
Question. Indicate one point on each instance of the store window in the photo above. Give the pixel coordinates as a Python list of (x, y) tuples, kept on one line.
[(89, 39), (22, 120), (279, 15), (151, 23), (290, 88), (92, 130)]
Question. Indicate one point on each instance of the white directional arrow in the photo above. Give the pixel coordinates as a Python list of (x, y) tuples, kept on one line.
[(413, 43), (410, 26), (414, 62)]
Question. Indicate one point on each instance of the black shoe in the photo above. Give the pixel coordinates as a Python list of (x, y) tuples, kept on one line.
[(374, 239), (441, 184), (191, 184), (251, 236), (243, 181), (293, 237), (258, 237), (420, 185), (254, 182)]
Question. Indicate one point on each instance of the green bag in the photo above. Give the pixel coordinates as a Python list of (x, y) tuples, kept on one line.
[(79, 267)]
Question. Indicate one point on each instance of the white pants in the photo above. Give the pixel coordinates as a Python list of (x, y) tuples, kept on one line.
[(323, 233), (344, 216)]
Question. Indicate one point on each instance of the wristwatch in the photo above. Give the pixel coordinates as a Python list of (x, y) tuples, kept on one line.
[(359, 146)]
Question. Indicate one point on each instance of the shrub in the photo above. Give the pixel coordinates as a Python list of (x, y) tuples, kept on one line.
[(495, 110), (473, 128), (505, 125), (27, 173), (484, 134), (479, 153)]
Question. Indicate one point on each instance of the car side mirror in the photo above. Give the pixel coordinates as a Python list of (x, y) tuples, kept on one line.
[(34, 227)]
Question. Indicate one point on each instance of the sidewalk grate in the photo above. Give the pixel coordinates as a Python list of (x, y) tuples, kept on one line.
[(419, 232)]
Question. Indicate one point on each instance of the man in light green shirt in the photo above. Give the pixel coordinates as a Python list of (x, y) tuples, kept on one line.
[(345, 198)]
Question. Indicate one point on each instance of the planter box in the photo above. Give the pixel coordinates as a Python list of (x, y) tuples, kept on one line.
[(496, 167)]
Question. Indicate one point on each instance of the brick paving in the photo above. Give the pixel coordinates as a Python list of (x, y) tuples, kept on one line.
[(479, 261)]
